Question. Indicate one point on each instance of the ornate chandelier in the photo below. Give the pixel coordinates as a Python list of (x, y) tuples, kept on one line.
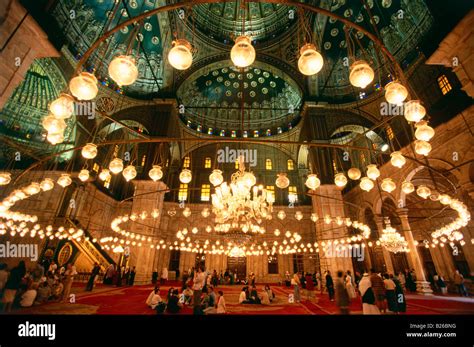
[(242, 204), (392, 240)]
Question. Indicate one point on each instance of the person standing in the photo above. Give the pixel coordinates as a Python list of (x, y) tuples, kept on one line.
[(164, 276), (309, 287), (295, 282), (154, 276), (367, 294), (94, 273), (330, 285), (318, 282), (68, 280), (459, 283), (109, 274), (390, 293), (198, 283), (350, 286), (379, 290), (12, 285), (131, 279), (402, 279), (342, 297)]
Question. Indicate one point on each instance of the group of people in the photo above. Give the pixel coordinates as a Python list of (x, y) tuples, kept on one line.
[(22, 287), (215, 279), (251, 296), (119, 276)]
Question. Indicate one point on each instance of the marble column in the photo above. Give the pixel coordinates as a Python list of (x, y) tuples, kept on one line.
[(386, 254), (422, 285)]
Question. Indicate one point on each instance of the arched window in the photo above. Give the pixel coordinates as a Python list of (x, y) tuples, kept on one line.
[(187, 162), (268, 164), (205, 192), (207, 163), (290, 165), (183, 192)]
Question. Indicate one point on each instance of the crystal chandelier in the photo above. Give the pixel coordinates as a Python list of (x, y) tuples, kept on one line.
[(392, 240), (242, 204)]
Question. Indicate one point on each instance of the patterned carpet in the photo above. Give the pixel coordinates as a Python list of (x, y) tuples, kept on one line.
[(131, 301)]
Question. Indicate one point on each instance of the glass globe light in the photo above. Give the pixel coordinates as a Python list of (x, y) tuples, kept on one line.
[(423, 131), (340, 179), (64, 180), (372, 172), (397, 159), (180, 56), (366, 184), (89, 151), (156, 173), (249, 179), (281, 214), (388, 185), (116, 166), (395, 93), (63, 106), (242, 53), (354, 173), (422, 147), (423, 191), (314, 217), (55, 138), (310, 61), (282, 181), (47, 184), (185, 176), (408, 187), (5, 178), (104, 175), (216, 177), (445, 199), (414, 111), (312, 182), (361, 74), (84, 86), (123, 70), (33, 188), (299, 215), (83, 175), (53, 124), (129, 173)]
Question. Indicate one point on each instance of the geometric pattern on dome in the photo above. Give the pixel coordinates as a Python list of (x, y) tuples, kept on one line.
[(222, 21), (90, 19)]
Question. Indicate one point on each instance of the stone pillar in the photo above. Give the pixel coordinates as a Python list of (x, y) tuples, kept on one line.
[(21, 41), (422, 285), (386, 254)]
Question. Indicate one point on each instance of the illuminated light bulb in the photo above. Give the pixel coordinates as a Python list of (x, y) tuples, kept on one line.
[(116, 166), (123, 70), (5, 178), (354, 173), (395, 93), (408, 187), (314, 217), (63, 106), (104, 175), (310, 61), (282, 181), (185, 176), (53, 124), (388, 185), (423, 191), (156, 173), (47, 184), (366, 184), (216, 177), (84, 175), (445, 199), (414, 111), (340, 180), (423, 131), (299, 215), (361, 74), (205, 212), (422, 147), (312, 182), (33, 188), (281, 214), (89, 151), (397, 159), (372, 172), (84, 86), (180, 56), (64, 180), (129, 173), (277, 232), (242, 53), (55, 138)]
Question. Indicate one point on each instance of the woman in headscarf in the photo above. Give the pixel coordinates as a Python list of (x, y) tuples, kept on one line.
[(368, 297)]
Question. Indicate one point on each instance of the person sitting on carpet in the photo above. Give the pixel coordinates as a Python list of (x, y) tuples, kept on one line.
[(57, 289), (28, 298), (173, 305), (244, 296), (154, 298), (270, 293), (188, 295), (170, 292), (265, 298), (253, 297), (44, 293), (221, 308)]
